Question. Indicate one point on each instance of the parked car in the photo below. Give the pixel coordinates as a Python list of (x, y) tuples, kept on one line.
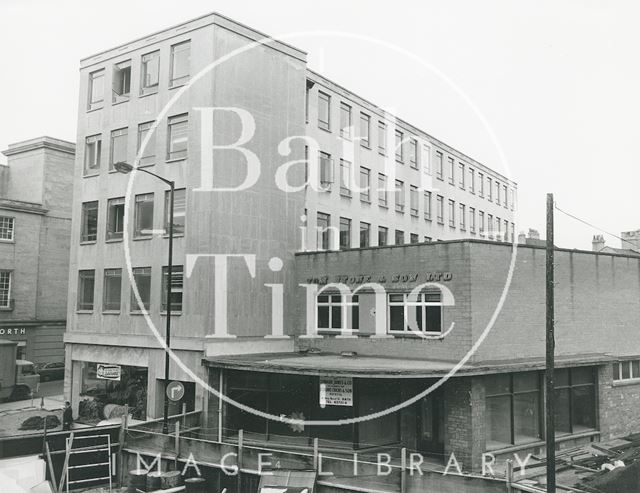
[(51, 371)]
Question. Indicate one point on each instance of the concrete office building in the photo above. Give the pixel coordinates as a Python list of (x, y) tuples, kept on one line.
[(35, 225)]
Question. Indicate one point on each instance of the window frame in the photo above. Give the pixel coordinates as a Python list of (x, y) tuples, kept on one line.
[(83, 305), (145, 87), (92, 168), (9, 288), (365, 184), (182, 79), (108, 305), (421, 301), (365, 122), (137, 229), (118, 133), (173, 123), (138, 272), (345, 304), (89, 206), (10, 228), (322, 124), (92, 103), (111, 203), (176, 271), (346, 132)]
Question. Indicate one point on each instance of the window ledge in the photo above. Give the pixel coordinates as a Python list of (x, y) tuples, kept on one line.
[(124, 100), (8, 241), (91, 110), (84, 311), (384, 206), (139, 312), (175, 159), (89, 175), (175, 235), (366, 146), (113, 240), (145, 94), (6, 308), (143, 238), (365, 201), (173, 314), (111, 312), (180, 84), (325, 129), (624, 383), (92, 242)]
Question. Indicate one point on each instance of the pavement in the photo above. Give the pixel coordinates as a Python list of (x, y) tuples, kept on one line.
[(49, 403)]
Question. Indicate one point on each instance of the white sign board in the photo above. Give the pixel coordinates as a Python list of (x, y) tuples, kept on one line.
[(336, 391), (109, 372)]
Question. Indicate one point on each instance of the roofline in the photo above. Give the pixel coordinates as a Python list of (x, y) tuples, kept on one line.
[(43, 142)]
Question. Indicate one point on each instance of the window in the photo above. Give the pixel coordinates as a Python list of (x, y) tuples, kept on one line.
[(5, 289), (421, 312), (452, 171), (96, 90), (112, 290), (399, 194), (180, 56), (150, 73), (143, 216), (440, 209), (334, 310), (414, 238), (89, 230), (345, 233), (118, 147), (345, 120), (324, 111), (142, 278), (506, 230), (490, 226), (439, 166), (413, 200), (505, 197), (365, 130), (452, 213), (365, 184), (6, 228), (575, 400), (323, 226), (92, 150), (178, 137), (179, 210), (498, 192), (472, 220), (121, 83), (481, 184), (499, 228), (148, 155), (462, 175), (345, 178), (383, 236), (413, 153), (426, 159), (382, 137), (489, 189), (365, 233), (326, 171), (176, 288), (427, 206), (115, 218), (481, 222), (399, 239), (86, 288), (626, 370), (382, 190), (512, 409), (428, 239), (472, 181), (399, 150), (463, 218)]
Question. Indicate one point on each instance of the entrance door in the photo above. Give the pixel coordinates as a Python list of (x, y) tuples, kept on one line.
[(431, 423)]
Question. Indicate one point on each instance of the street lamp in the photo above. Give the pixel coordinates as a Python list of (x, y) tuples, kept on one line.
[(125, 168)]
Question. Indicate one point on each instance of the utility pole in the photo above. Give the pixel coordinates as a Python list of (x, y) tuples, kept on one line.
[(550, 339)]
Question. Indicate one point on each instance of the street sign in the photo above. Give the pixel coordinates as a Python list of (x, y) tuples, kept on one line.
[(108, 372), (175, 391)]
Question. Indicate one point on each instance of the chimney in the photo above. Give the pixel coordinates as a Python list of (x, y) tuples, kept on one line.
[(522, 238), (533, 234), (597, 244)]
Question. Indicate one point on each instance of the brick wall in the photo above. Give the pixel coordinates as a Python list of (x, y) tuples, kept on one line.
[(619, 405)]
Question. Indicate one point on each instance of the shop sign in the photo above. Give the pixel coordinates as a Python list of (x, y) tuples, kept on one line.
[(13, 331), (400, 277), (109, 372), (336, 391)]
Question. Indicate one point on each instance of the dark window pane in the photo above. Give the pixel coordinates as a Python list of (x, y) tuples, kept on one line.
[(323, 317), (581, 375), (497, 384), (563, 418), (396, 318), (526, 381), (434, 319), (583, 409), (498, 421), (336, 319), (526, 417)]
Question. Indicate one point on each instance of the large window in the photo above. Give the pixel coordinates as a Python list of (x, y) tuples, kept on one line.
[(96, 90), (6, 228), (323, 228), (92, 149), (89, 231), (382, 190), (422, 312), (345, 120), (150, 73), (178, 137), (176, 288), (326, 171), (365, 184), (121, 83), (337, 311), (118, 147), (413, 200), (345, 178), (383, 236), (399, 146), (382, 137), (626, 370), (142, 278), (180, 55), (345, 233), (86, 289), (324, 111), (179, 210), (399, 194), (575, 400), (112, 290), (143, 215), (365, 234), (365, 130), (148, 155), (115, 218), (5, 288), (427, 206), (513, 403)]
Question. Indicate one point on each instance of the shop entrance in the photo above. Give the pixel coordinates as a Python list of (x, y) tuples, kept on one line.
[(431, 423)]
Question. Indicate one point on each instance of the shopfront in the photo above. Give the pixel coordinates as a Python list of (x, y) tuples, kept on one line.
[(38, 342)]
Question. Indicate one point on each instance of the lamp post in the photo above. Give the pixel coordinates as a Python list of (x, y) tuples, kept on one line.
[(123, 167)]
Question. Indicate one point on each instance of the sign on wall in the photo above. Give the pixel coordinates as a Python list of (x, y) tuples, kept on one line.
[(336, 391), (13, 331), (108, 372)]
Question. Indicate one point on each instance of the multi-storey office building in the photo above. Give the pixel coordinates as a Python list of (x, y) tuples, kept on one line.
[(35, 225)]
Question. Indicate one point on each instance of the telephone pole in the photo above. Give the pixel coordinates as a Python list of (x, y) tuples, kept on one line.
[(550, 339)]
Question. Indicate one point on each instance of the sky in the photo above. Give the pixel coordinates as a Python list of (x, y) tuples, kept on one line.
[(545, 92)]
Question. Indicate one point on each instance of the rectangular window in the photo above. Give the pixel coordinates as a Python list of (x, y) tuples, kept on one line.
[(96, 90), (178, 137), (365, 130), (5, 289), (452, 213), (414, 238), (143, 216), (383, 236), (179, 210), (333, 312), (86, 289), (345, 120), (399, 194), (462, 174), (148, 155), (399, 239), (112, 292), (428, 239), (421, 313), (481, 222), (115, 218), (426, 159), (180, 57), (150, 73), (382, 137), (626, 370), (413, 153), (413, 200), (118, 147), (490, 226), (324, 111), (365, 233), (326, 171), (497, 192), (365, 184), (575, 394), (142, 278), (472, 181), (452, 171), (323, 228), (345, 178), (463, 218), (382, 190), (427, 206), (505, 196), (499, 228), (506, 230), (440, 209), (6, 228), (92, 151), (89, 230), (121, 83), (345, 233), (399, 146), (489, 189), (472, 220), (176, 288), (439, 166), (481, 184)]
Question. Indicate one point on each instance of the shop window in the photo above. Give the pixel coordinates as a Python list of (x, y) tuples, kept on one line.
[(178, 137), (150, 73), (179, 210), (176, 288), (575, 400), (180, 57), (421, 312), (86, 289), (626, 370), (338, 312), (142, 278), (115, 218), (121, 84), (112, 290)]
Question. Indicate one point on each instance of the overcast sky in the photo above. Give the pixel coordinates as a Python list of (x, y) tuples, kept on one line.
[(557, 81)]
